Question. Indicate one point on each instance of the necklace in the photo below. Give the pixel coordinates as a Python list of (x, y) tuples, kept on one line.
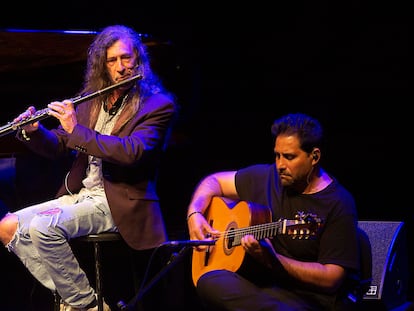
[(116, 105), (318, 183)]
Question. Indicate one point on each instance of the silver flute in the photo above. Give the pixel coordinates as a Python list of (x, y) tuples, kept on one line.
[(44, 113)]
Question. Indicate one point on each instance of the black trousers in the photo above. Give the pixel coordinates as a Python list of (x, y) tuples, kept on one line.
[(222, 290)]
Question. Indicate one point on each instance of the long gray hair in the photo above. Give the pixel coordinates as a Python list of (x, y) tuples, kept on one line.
[(96, 75)]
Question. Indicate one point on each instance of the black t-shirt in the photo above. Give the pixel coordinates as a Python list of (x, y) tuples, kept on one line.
[(335, 243)]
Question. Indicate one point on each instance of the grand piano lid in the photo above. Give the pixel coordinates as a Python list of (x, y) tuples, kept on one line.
[(25, 49)]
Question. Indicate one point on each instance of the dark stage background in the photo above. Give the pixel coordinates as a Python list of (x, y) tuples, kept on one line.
[(234, 69)]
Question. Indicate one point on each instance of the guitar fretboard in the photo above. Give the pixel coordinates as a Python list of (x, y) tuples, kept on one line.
[(297, 228)]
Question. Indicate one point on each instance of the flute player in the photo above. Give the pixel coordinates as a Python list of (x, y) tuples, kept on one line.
[(118, 139)]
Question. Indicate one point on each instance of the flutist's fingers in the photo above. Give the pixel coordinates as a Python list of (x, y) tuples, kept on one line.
[(25, 115), (58, 109), (30, 127), (64, 111)]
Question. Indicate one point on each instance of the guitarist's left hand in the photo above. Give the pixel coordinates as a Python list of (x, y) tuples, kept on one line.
[(262, 251)]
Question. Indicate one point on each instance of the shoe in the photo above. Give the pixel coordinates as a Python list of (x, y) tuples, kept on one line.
[(66, 307)]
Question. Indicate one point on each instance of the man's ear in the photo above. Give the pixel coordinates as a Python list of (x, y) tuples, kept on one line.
[(316, 154)]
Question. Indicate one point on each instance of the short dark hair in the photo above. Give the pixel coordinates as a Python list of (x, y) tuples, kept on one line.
[(308, 130)]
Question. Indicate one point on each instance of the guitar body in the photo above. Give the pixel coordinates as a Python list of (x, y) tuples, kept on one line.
[(226, 215)]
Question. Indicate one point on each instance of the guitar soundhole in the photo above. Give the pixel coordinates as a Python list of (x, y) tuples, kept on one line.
[(229, 240)]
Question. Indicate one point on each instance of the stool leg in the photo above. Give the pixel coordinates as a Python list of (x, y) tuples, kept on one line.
[(98, 276), (56, 299)]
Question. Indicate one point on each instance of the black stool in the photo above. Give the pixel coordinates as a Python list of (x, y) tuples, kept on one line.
[(96, 239)]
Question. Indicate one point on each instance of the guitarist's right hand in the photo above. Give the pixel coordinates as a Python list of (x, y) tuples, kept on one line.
[(199, 218), (199, 229)]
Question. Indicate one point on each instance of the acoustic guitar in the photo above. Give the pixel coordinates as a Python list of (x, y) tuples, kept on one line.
[(235, 219)]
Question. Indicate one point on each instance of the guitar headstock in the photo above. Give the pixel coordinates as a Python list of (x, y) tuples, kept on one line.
[(304, 226)]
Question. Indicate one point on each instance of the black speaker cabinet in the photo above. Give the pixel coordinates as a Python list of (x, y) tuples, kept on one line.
[(389, 264)]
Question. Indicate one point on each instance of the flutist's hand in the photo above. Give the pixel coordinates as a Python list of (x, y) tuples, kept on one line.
[(30, 127), (65, 112)]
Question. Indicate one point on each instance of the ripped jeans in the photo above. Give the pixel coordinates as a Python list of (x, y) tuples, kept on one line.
[(41, 241)]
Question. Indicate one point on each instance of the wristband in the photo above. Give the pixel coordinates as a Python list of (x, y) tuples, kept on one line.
[(191, 214)]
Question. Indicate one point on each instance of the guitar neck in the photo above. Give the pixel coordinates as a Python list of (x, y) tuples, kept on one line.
[(297, 228), (258, 231)]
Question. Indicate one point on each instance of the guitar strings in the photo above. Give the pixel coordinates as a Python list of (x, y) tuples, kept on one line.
[(291, 227)]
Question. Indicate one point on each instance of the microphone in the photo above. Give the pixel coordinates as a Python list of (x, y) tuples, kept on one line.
[(190, 243)]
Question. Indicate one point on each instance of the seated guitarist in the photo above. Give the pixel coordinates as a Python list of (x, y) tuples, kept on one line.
[(282, 272)]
